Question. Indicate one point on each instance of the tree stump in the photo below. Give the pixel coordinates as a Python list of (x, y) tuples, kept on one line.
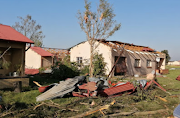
[(18, 86)]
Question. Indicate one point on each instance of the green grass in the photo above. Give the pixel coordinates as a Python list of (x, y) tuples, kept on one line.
[(169, 66), (28, 97), (170, 83)]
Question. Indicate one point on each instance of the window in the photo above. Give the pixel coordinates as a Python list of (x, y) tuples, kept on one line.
[(137, 63), (79, 60), (149, 64)]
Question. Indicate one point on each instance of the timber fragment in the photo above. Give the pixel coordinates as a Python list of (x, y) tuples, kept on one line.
[(95, 110)]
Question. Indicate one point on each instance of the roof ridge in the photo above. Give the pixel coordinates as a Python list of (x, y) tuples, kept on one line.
[(40, 51)]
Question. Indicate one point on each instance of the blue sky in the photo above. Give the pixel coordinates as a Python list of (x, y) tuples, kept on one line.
[(153, 23)]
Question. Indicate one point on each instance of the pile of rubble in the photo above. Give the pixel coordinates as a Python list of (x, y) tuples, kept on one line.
[(81, 86)]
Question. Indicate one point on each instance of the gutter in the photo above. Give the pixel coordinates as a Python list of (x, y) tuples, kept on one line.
[(28, 48)]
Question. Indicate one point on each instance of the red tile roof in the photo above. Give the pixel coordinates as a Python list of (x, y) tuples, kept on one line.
[(8, 33), (31, 71), (41, 51)]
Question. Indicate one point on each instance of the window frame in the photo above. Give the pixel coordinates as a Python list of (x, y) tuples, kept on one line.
[(139, 63), (148, 65), (79, 60)]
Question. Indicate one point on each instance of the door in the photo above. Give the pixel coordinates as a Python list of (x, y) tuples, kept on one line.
[(120, 68)]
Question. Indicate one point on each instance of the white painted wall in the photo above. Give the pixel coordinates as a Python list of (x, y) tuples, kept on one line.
[(163, 66), (83, 50), (32, 59), (106, 52)]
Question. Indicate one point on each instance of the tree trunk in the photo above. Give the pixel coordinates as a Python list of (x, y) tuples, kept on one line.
[(91, 59)]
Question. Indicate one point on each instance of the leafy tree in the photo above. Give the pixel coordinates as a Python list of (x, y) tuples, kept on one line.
[(28, 27), (61, 71), (97, 25), (64, 69), (84, 69), (99, 65), (167, 55)]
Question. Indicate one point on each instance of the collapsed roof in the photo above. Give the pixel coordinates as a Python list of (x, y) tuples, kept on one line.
[(126, 46), (129, 47), (57, 52)]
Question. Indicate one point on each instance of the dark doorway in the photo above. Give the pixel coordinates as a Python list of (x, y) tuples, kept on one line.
[(120, 68)]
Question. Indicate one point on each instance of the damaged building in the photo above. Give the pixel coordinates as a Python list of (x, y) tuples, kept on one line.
[(59, 54), (134, 59), (12, 56), (15, 42)]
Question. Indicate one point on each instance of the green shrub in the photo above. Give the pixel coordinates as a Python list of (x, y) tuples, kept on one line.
[(84, 70), (64, 69), (41, 69), (99, 65)]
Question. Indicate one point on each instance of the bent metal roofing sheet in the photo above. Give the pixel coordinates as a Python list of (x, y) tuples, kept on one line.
[(8, 33)]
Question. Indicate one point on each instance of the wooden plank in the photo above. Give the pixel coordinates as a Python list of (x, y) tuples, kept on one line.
[(9, 83)]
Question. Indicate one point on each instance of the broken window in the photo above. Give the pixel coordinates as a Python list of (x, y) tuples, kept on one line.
[(137, 63), (149, 64), (79, 60)]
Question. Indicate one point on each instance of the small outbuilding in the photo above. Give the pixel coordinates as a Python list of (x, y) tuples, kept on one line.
[(36, 58), (12, 51), (12, 57)]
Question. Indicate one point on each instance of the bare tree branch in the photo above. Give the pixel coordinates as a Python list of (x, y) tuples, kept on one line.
[(97, 25), (28, 27)]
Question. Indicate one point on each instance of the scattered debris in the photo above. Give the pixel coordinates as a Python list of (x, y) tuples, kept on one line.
[(164, 76), (165, 71), (143, 83), (136, 75), (58, 90), (138, 113), (117, 90), (44, 88), (95, 110), (152, 81), (150, 76), (178, 78), (172, 69), (79, 87), (90, 87), (61, 89), (163, 99)]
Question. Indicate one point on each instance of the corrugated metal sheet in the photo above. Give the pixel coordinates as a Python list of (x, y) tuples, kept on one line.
[(117, 89), (178, 78), (58, 90)]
